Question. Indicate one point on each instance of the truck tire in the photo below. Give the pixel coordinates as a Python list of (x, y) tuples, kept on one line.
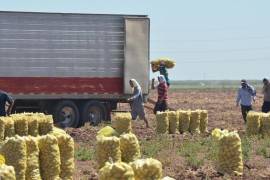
[(93, 112), (66, 114)]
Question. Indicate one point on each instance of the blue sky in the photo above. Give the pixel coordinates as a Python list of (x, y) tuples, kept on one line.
[(209, 39)]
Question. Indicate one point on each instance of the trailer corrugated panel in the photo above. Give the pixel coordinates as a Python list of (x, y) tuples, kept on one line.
[(43, 53)]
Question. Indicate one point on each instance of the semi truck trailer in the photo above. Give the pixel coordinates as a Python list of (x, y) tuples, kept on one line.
[(76, 67)]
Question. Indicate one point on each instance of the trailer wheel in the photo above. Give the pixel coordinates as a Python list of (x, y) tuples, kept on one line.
[(93, 112), (66, 114)]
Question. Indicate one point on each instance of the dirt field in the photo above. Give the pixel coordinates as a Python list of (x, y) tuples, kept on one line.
[(185, 156)]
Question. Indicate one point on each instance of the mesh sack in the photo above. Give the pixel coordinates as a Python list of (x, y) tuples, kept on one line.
[(122, 123), (49, 157), (107, 147), (115, 171), (173, 118), (147, 169), (162, 122), (130, 147)]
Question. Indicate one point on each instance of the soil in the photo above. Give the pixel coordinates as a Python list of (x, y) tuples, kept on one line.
[(223, 113)]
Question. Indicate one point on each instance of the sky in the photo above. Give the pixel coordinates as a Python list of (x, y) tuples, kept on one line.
[(208, 39)]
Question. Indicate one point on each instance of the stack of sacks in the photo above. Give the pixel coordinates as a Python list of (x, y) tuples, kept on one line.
[(122, 123), (2, 129), (21, 124), (229, 152), (184, 120), (49, 157), (203, 121), (66, 147), (130, 147), (108, 147), (118, 170), (14, 151), (32, 155), (162, 122), (173, 121), (194, 125), (265, 124), (107, 131), (147, 169), (7, 172), (9, 127), (253, 123)]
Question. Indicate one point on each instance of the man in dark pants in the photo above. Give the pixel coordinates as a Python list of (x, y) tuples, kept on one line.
[(246, 93), (266, 96), (5, 98)]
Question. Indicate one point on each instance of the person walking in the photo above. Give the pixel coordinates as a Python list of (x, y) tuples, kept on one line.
[(5, 99), (162, 88), (136, 101), (266, 96), (246, 93)]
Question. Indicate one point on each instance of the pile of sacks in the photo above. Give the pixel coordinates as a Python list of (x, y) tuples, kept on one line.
[(48, 156), (183, 121), (24, 124), (258, 123), (118, 153), (229, 160)]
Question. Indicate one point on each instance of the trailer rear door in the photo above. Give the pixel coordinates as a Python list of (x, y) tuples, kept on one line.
[(136, 53)]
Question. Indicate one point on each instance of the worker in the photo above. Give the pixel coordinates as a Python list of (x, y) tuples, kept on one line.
[(5, 99), (246, 93), (266, 96), (163, 71), (136, 102), (162, 88)]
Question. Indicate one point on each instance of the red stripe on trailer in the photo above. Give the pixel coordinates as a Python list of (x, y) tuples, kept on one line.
[(61, 85)]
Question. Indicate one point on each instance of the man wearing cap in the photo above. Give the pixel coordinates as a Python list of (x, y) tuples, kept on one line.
[(246, 93), (266, 96)]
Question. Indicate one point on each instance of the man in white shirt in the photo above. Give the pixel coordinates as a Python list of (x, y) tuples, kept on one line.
[(246, 93)]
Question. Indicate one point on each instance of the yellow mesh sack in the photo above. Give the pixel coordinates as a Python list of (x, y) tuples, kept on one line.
[(7, 172), (184, 121), (203, 121), (66, 147), (173, 118), (169, 63), (265, 124), (107, 131), (147, 169), (45, 124), (9, 127), (162, 122), (116, 171), (32, 163), (20, 124), (14, 151), (230, 153), (49, 157), (33, 125), (2, 129), (253, 123), (130, 147), (194, 126), (122, 122), (107, 147)]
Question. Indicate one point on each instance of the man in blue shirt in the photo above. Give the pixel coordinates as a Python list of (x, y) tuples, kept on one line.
[(5, 98), (246, 93)]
